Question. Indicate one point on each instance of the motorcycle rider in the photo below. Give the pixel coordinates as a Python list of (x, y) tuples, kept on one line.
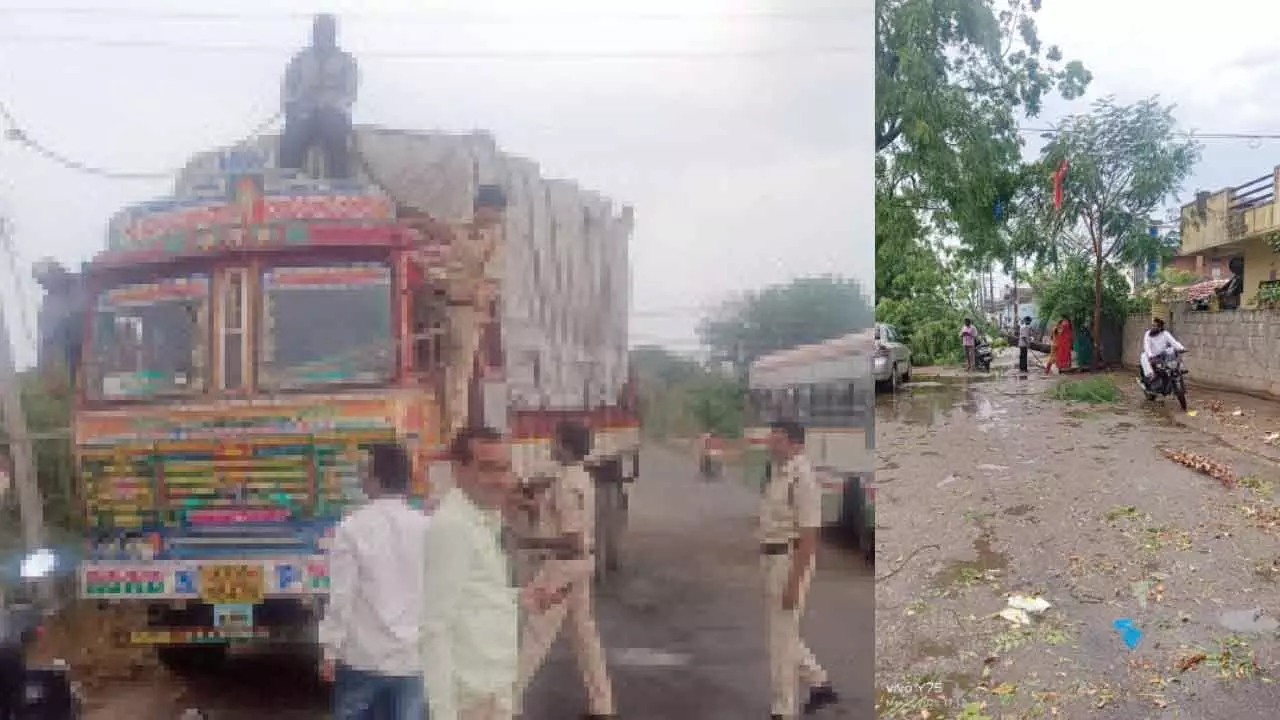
[(1156, 342)]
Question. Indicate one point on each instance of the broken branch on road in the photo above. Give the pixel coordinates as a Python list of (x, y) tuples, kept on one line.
[(907, 559), (1201, 464)]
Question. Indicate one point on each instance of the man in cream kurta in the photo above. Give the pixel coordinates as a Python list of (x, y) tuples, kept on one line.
[(470, 616), (562, 588), (790, 517)]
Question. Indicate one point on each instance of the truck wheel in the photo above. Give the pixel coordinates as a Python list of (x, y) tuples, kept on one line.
[(192, 659)]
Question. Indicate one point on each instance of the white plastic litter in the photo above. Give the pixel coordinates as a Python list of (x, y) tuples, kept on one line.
[(1021, 609)]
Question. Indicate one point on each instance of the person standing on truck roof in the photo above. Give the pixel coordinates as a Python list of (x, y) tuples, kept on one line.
[(471, 290), (790, 517), (562, 588), (371, 630), (469, 614), (319, 91)]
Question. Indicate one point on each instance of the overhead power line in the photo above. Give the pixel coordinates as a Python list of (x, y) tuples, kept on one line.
[(141, 44), (432, 15), (14, 131)]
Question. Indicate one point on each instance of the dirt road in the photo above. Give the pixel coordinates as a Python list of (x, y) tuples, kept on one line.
[(988, 488), (682, 623)]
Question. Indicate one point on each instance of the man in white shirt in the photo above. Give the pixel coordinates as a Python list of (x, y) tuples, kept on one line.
[(1156, 342), (1024, 343), (470, 617), (371, 633)]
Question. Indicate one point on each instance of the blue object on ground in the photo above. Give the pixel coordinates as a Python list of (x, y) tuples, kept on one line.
[(1128, 632)]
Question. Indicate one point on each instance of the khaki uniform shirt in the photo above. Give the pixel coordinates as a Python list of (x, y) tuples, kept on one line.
[(792, 502), (471, 260)]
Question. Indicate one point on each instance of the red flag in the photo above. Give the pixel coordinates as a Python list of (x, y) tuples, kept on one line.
[(1059, 176)]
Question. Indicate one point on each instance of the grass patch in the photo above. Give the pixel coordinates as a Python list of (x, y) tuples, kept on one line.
[(1260, 486), (1093, 390)]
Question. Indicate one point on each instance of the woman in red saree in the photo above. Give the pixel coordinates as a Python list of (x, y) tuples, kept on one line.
[(1063, 341)]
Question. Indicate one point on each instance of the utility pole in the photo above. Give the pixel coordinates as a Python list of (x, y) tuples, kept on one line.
[(30, 505)]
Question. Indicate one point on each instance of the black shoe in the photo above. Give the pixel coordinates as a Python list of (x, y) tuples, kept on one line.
[(820, 696)]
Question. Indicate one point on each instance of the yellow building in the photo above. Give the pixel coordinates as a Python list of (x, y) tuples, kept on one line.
[(1238, 222)]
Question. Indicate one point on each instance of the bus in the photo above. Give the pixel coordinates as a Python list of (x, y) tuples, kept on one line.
[(828, 388)]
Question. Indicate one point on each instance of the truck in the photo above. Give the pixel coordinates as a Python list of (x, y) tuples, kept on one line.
[(247, 337), (829, 388)]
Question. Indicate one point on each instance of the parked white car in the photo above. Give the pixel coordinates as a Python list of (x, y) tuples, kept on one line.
[(891, 363)]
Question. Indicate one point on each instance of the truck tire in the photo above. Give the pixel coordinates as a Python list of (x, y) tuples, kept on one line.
[(612, 513)]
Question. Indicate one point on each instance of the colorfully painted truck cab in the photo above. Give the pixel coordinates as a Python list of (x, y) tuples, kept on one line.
[(245, 339)]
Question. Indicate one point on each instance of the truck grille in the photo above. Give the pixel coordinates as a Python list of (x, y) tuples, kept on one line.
[(232, 492)]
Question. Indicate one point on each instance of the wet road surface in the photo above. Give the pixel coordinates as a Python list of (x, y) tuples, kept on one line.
[(682, 622), (988, 488)]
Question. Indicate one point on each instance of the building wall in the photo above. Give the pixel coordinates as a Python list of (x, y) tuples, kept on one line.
[(1134, 326), (1261, 263), (1233, 350)]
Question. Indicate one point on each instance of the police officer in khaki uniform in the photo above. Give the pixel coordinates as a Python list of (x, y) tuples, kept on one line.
[(471, 286), (790, 518), (562, 587)]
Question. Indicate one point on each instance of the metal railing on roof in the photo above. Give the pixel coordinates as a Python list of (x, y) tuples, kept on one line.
[(1258, 191)]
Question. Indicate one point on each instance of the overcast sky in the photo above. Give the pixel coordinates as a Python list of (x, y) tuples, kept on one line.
[(745, 169), (1217, 66)]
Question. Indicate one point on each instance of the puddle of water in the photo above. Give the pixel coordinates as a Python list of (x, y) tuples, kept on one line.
[(986, 559), (934, 649), (1248, 621)]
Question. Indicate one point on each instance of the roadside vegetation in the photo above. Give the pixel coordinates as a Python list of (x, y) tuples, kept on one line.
[(1095, 390)]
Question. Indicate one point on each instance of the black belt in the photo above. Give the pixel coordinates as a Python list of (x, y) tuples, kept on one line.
[(777, 548)]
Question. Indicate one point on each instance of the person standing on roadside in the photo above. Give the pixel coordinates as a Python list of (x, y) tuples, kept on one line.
[(470, 617), (790, 517), (969, 339), (370, 633), (562, 588), (1024, 343)]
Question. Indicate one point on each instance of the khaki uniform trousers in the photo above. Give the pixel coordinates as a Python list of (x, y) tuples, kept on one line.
[(541, 630), (790, 662), (464, 322)]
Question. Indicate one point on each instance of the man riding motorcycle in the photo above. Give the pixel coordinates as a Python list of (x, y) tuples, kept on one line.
[(1156, 342)]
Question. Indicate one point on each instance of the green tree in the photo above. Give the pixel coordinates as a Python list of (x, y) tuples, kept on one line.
[(952, 79), (807, 310), (1124, 162), (1069, 291)]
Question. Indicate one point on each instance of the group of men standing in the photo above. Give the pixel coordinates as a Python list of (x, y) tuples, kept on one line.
[(424, 611)]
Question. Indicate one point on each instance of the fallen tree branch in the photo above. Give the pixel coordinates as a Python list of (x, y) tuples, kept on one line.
[(907, 559)]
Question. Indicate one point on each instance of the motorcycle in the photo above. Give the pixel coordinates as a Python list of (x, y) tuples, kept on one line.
[(982, 355), (1167, 378), (29, 692)]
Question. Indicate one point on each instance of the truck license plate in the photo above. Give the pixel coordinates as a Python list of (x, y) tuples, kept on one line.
[(232, 584)]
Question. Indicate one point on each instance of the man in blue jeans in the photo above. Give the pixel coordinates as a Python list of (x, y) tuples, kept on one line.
[(371, 631)]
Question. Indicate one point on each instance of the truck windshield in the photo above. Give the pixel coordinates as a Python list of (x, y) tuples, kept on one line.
[(148, 339), (326, 325)]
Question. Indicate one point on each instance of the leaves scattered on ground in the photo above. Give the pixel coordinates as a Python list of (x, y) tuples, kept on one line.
[(1257, 485), (1232, 658), (1092, 390), (1201, 464)]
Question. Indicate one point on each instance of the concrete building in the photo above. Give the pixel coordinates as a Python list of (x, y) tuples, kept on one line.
[(1241, 223)]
